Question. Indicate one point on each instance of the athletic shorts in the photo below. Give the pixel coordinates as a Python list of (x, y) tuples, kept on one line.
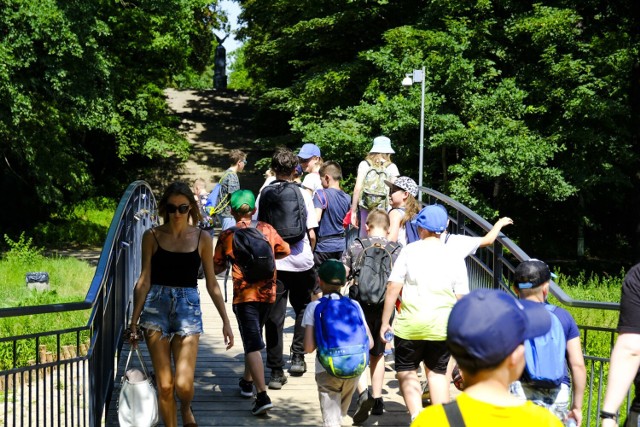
[(251, 317), (172, 311), (373, 316), (409, 354)]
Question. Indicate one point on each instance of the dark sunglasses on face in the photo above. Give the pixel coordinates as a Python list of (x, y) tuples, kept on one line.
[(184, 208), (394, 189)]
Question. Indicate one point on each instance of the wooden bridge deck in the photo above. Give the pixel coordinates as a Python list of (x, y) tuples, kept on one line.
[(217, 400)]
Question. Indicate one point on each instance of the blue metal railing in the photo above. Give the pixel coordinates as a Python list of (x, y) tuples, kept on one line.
[(71, 385)]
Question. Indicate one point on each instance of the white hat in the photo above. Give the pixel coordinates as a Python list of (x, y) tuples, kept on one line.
[(381, 144)]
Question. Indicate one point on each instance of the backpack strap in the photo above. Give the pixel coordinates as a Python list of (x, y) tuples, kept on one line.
[(454, 416), (366, 244), (322, 194)]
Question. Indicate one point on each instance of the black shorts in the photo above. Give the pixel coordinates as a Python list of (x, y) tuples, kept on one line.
[(251, 317), (373, 316), (409, 354)]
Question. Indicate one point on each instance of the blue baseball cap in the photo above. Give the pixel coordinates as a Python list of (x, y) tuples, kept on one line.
[(433, 218), (308, 151), (487, 325)]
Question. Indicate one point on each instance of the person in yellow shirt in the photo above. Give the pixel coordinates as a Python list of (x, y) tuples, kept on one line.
[(485, 334)]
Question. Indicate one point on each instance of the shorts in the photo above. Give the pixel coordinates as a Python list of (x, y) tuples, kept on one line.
[(172, 311), (251, 317), (409, 354), (373, 316)]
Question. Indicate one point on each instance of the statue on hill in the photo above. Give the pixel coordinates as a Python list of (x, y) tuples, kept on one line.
[(220, 65)]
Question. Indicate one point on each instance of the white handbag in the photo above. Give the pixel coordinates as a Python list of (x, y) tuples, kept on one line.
[(138, 401)]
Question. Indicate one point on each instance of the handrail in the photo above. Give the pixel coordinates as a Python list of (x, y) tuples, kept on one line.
[(99, 277), (516, 251)]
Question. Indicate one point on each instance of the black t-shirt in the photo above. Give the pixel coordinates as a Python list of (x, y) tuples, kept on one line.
[(629, 320)]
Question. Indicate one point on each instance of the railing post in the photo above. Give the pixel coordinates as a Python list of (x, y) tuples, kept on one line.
[(498, 266)]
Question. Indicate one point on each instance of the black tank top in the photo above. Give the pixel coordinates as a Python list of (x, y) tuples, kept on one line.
[(177, 269)]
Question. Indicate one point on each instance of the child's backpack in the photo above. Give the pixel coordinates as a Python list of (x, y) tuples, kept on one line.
[(341, 337), (214, 204), (371, 270), (282, 205), (374, 190), (253, 253), (545, 356)]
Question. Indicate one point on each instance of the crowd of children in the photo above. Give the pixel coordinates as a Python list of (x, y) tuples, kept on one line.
[(403, 281)]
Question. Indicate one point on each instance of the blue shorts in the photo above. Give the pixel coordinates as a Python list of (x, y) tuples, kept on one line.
[(172, 311)]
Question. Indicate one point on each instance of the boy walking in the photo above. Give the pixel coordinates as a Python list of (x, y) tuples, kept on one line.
[(334, 392), (331, 204), (252, 300), (376, 242), (289, 210), (230, 183), (485, 334), (532, 284)]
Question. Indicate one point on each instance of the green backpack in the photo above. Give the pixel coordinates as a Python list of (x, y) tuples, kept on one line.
[(374, 190)]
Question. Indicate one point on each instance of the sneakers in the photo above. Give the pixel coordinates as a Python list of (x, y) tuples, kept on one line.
[(278, 379), (365, 402), (246, 388), (378, 406), (262, 404), (298, 365)]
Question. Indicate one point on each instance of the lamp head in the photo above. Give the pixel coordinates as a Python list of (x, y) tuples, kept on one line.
[(407, 81)]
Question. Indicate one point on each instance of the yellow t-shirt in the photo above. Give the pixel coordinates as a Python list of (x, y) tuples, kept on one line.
[(480, 414)]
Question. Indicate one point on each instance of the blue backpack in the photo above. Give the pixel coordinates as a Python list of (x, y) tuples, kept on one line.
[(214, 205), (341, 337), (545, 356)]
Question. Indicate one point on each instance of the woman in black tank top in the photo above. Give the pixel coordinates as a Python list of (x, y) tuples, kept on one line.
[(166, 301)]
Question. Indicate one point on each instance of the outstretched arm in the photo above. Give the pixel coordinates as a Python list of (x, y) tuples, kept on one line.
[(491, 236)]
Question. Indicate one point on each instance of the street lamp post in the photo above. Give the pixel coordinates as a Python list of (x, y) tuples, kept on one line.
[(418, 77)]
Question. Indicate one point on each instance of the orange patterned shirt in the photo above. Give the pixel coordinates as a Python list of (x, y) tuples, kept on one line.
[(262, 291)]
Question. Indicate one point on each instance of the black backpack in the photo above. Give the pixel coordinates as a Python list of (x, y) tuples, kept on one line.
[(282, 206), (253, 253), (371, 271)]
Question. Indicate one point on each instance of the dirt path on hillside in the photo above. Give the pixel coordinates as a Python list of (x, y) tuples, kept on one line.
[(215, 122)]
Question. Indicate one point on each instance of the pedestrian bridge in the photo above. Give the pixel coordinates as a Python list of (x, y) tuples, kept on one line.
[(77, 384)]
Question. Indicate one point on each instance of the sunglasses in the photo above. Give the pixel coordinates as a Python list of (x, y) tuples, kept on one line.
[(394, 189), (184, 208)]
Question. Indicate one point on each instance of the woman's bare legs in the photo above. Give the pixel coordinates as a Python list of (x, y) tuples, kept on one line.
[(160, 351), (185, 353)]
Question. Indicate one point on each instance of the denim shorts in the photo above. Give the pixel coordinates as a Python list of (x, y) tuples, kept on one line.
[(172, 311)]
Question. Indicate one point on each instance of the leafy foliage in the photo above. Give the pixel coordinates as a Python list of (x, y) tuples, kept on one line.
[(528, 106), (81, 98)]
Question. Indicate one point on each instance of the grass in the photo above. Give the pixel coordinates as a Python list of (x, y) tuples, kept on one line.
[(69, 281)]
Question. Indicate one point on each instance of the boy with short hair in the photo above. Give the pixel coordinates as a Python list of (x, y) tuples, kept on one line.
[(331, 204), (532, 279), (334, 393), (229, 183), (377, 227), (485, 334), (252, 302)]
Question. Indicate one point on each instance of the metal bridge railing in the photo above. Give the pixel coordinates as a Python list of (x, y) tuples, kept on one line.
[(69, 377), (490, 268)]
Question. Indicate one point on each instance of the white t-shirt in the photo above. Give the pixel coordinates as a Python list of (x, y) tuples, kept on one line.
[(312, 181), (308, 319), (301, 257), (432, 276), (391, 170), (462, 245)]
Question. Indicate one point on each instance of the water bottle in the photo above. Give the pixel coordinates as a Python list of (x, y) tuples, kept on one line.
[(388, 336), (570, 422)]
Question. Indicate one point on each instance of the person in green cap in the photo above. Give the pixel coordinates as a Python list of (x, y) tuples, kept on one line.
[(252, 300), (335, 391)]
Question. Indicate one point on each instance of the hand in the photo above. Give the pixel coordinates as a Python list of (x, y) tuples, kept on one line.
[(504, 221), (354, 218), (384, 328), (133, 336), (576, 414), (228, 335)]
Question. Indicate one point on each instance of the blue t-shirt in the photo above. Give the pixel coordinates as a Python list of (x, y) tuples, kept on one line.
[(335, 204), (571, 331)]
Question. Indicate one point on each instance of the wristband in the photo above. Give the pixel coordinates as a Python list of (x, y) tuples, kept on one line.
[(608, 415)]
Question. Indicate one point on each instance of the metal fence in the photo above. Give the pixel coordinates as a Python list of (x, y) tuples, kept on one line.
[(66, 377), (71, 384), (493, 267)]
